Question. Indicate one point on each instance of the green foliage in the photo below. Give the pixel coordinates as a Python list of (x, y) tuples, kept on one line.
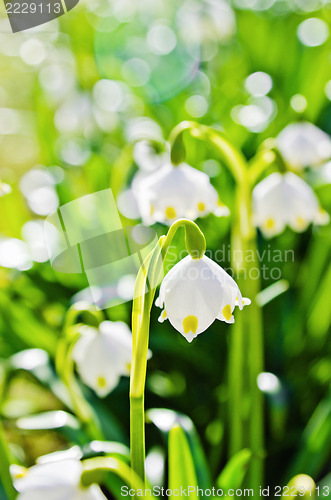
[(85, 148), (181, 466)]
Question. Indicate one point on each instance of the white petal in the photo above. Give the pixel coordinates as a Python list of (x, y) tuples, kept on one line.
[(303, 144), (103, 356), (175, 192), (281, 200), (268, 208), (322, 218), (61, 475), (163, 316), (58, 480), (192, 291)]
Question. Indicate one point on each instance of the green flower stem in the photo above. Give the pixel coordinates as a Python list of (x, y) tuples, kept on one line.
[(80, 406), (147, 281), (65, 364), (96, 470), (5, 475), (260, 163), (246, 348)]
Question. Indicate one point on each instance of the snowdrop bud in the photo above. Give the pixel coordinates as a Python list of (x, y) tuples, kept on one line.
[(172, 193), (285, 200), (58, 480), (103, 355), (194, 293), (304, 145)]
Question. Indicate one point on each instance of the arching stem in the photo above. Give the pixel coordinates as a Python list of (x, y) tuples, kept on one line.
[(246, 359), (148, 278)]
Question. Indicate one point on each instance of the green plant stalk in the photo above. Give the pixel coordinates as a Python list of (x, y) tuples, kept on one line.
[(146, 283), (65, 365), (5, 475), (80, 406), (246, 421), (95, 471)]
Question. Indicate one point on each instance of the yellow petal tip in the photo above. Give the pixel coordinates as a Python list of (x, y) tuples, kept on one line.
[(190, 324), (227, 313)]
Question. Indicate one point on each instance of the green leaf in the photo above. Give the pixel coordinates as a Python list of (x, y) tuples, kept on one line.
[(272, 292), (111, 448), (164, 419), (235, 470), (60, 421), (182, 474), (314, 450)]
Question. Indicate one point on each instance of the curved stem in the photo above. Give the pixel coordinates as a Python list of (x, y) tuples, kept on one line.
[(260, 163), (65, 368), (5, 475), (148, 278), (96, 469), (246, 403), (80, 405), (5, 462), (233, 159)]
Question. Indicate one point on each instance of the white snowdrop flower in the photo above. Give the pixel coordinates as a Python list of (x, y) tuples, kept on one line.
[(303, 144), (150, 155), (58, 480), (173, 192), (282, 200), (103, 355), (194, 293)]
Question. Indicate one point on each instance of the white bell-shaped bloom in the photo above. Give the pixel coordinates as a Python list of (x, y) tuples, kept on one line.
[(173, 192), (58, 480), (282, 200), (303, 145), (194, 293), (103, 355)]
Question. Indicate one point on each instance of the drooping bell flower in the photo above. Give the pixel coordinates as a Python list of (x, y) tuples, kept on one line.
[(174, 192), (303, 145), (196, 292), (57, 480), (282, 200), (103, 355)]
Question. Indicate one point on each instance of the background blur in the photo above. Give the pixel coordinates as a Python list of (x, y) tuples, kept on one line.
[(72, 95)]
